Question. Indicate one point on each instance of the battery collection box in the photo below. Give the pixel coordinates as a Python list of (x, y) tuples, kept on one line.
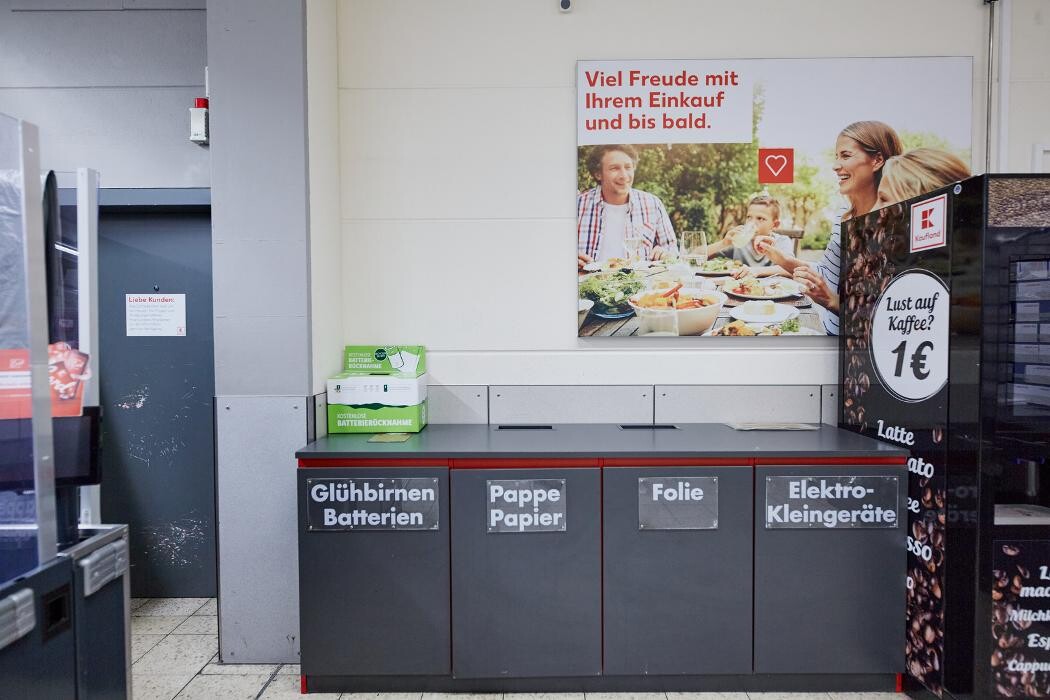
[(382, 389)]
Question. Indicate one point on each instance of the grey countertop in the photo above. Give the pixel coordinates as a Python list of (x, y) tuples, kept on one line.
[(702, 440)]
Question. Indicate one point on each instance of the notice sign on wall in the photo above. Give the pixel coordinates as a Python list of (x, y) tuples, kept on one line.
[(525, 505), (155, 314), (678, 503), (846, 502), (372, 504)]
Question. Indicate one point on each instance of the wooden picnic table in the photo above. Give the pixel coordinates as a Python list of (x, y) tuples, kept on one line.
[(595, 327)]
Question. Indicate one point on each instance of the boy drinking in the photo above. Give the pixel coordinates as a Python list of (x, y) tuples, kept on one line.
[(763, 218)]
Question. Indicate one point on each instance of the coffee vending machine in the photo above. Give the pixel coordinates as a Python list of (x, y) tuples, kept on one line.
[(945, 350)]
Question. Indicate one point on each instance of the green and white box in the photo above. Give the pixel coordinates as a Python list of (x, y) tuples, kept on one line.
[(376, 403), (376, 418), (400, 360), (383, 389)]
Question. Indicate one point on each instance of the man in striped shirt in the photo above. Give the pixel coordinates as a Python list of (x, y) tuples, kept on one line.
[(614, 220)]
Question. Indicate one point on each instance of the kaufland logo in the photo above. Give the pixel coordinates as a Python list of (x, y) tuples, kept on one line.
[(928, 224)]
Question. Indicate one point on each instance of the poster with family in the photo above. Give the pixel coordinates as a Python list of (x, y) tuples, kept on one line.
[(710, 192)]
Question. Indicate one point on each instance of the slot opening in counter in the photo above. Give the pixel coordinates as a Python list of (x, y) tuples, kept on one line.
[(647, 426), (524, 427)]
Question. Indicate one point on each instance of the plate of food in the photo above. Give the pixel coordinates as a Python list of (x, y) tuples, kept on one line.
[(718, 267), (767, 288), (610, 292), (791, 326), (763, 311)]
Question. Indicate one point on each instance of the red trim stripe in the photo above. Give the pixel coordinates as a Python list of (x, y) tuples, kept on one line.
[(302, 684), (829, 461), (511, 463), (368, 462), (675, 462)]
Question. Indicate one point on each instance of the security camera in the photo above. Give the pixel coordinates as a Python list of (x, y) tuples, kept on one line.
[(565, 5)]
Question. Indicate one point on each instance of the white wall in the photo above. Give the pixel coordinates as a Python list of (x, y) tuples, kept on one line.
[(108, 87), (1029, 83), (326, 240), (457, 169)]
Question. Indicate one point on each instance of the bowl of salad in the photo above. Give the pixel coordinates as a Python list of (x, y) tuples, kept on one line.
[(610, 292), (678, 309)]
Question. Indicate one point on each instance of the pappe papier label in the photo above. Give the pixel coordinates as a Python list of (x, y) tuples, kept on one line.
[(525, 505), (373, 504), (678, 503), (834, 502), (909, 336)]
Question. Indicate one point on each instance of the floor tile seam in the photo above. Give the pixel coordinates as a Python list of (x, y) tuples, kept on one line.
[(269, 680)]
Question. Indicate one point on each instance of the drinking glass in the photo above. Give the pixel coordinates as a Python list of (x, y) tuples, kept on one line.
[(634, 247), (743, 235), (694, 247)]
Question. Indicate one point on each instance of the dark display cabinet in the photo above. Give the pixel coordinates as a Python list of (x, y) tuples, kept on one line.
[(945, 350)]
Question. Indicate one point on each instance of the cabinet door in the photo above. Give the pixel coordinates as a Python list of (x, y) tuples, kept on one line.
[(374, 602), (828, 599), (526, 603), (677, 567)]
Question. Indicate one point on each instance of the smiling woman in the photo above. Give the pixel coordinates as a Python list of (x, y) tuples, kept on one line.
[(861, 151)]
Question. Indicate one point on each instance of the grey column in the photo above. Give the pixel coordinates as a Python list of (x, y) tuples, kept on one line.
[(257, 74)]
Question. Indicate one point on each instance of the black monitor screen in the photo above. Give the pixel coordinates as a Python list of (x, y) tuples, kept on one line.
[(76, 441)]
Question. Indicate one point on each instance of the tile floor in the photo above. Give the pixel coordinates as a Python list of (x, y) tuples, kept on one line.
[(174, 652)]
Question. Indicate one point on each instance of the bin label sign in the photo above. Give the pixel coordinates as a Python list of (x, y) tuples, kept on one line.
[(909, 336), (525, 505), (678, 503), (342, 505), (832, 502)]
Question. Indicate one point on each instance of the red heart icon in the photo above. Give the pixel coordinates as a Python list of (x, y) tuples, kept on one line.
[(776, 165)]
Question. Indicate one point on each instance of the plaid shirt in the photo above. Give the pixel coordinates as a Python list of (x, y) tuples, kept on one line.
[(645, 213)]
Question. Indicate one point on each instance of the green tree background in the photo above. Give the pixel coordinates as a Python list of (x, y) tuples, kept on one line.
[(706, 186)]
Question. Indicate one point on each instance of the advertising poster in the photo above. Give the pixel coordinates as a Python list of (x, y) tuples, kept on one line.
[(67, 372), (894, 375), (710, 192)]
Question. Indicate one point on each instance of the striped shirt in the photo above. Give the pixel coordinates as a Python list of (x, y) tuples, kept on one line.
[(645, 215), (829, 270)]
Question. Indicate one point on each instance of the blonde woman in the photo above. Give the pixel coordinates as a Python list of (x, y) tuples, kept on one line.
[(918, 171), (861, 151)]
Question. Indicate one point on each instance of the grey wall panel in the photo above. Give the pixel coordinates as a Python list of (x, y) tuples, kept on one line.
[(737, 404), (829, 404), (256, 50), (102, 49), (570, 404), (320, 415), (260, 354), (258, 575), (265, 286), (165, 4), (458, 404), (133, 137), (52, 5)]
